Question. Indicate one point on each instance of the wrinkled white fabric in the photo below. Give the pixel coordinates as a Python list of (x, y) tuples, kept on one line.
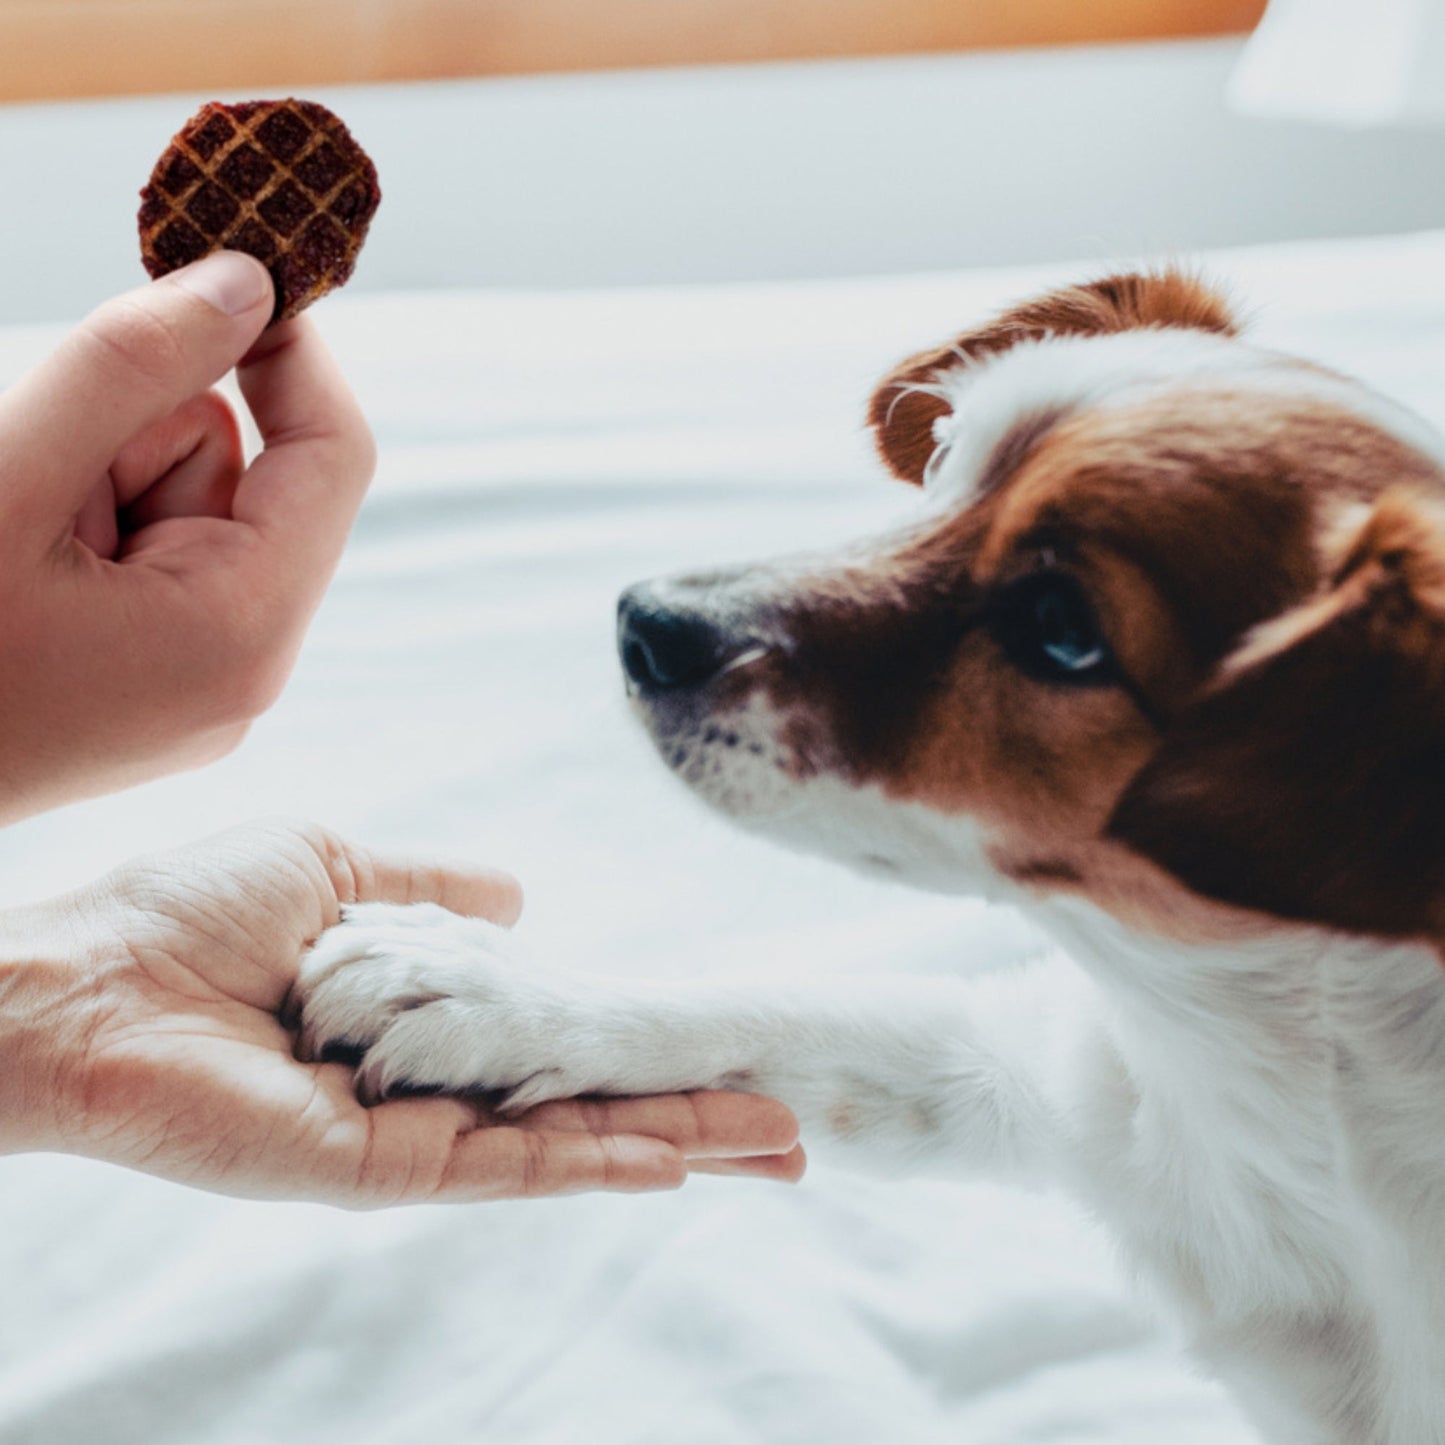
[(459, 693)]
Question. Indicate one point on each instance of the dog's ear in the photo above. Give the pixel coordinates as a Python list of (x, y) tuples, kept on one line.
[(907, 402), (1309, 781)]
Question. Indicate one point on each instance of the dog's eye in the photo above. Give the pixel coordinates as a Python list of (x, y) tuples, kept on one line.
[(1047, 627)]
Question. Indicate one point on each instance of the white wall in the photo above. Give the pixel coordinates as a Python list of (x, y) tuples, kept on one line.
[(774, 171)]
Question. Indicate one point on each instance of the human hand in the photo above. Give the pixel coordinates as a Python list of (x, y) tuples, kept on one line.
[(155, 589), (139, 1024)]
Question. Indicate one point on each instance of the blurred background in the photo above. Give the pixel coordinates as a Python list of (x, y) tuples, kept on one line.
[(565, 143)]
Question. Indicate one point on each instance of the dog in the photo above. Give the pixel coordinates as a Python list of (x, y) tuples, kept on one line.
[(1163, 664)]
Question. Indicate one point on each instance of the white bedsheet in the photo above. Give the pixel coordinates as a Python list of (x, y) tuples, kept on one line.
[(459, 692)]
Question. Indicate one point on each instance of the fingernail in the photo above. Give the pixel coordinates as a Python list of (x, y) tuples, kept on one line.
[(228, 280)]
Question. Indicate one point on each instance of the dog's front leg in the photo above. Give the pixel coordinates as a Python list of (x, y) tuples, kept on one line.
[(902, 1073)]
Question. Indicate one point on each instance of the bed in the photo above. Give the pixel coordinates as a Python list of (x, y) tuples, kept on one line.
[(458, 692)]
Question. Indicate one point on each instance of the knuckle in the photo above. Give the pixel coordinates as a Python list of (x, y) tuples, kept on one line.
[(346, 451), (214, 413), (144, 343), (696, 1125), (390, 1170), (256, 685), (238, 691), (352, 871), (248, 665), (535, 1164), (363, 449), (375, 1176), (218, 743), (611, 1166)]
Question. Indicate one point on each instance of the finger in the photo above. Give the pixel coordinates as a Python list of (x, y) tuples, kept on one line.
[(186, 465), (396, 1153), (305, 488), (96, 524), (252, 589), (506, 1163), (707, 1124), (129, 364), (440, 1150), (360, 876), (786, 1168)]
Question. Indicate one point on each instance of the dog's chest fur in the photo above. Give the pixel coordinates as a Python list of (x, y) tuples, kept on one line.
[(1261, 1130)]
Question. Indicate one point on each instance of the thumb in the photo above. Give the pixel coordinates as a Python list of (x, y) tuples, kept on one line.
[(127, 365)]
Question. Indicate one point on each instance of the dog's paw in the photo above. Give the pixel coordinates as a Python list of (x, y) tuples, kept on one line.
[(431, 1001)]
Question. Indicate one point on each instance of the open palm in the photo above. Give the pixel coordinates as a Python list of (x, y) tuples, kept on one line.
[(167, 1053)]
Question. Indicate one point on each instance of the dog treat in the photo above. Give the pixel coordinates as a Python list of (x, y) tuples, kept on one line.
[(282, 180)]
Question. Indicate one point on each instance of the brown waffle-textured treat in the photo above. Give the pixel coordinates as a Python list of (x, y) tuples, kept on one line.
[(280, 179)]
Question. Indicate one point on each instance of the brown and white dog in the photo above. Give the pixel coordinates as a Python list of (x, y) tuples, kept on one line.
[(1164, 664)]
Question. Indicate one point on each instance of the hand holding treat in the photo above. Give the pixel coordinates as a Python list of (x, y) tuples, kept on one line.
[(156, 588)]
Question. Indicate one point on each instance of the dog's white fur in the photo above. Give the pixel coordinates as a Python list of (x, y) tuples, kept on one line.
[(1259, 1123), (1070, 372), (1258, 1126)]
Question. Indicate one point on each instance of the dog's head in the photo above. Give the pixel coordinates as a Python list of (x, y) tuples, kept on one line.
[(1171, 631)]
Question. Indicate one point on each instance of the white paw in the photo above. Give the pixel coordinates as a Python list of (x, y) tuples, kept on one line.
[(435, 1001)]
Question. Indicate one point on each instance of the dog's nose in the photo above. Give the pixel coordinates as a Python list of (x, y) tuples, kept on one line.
[(664, 648)]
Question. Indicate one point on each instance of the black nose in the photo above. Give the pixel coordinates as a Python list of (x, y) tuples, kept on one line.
[(665, 647)]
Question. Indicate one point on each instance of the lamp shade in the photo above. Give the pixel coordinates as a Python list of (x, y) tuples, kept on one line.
[(1346, 62)]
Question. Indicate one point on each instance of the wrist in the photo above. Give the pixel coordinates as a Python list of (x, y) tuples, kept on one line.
[(48, 1002)]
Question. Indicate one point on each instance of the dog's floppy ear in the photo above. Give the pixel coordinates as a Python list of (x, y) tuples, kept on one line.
[(906, 403), (1309, 782)]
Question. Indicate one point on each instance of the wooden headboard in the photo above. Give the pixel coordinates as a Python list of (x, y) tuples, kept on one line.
[(53, 49)]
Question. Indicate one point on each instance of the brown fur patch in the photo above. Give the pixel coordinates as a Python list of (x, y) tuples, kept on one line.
[(1181, 539), (1310, 783), (902, 411)]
